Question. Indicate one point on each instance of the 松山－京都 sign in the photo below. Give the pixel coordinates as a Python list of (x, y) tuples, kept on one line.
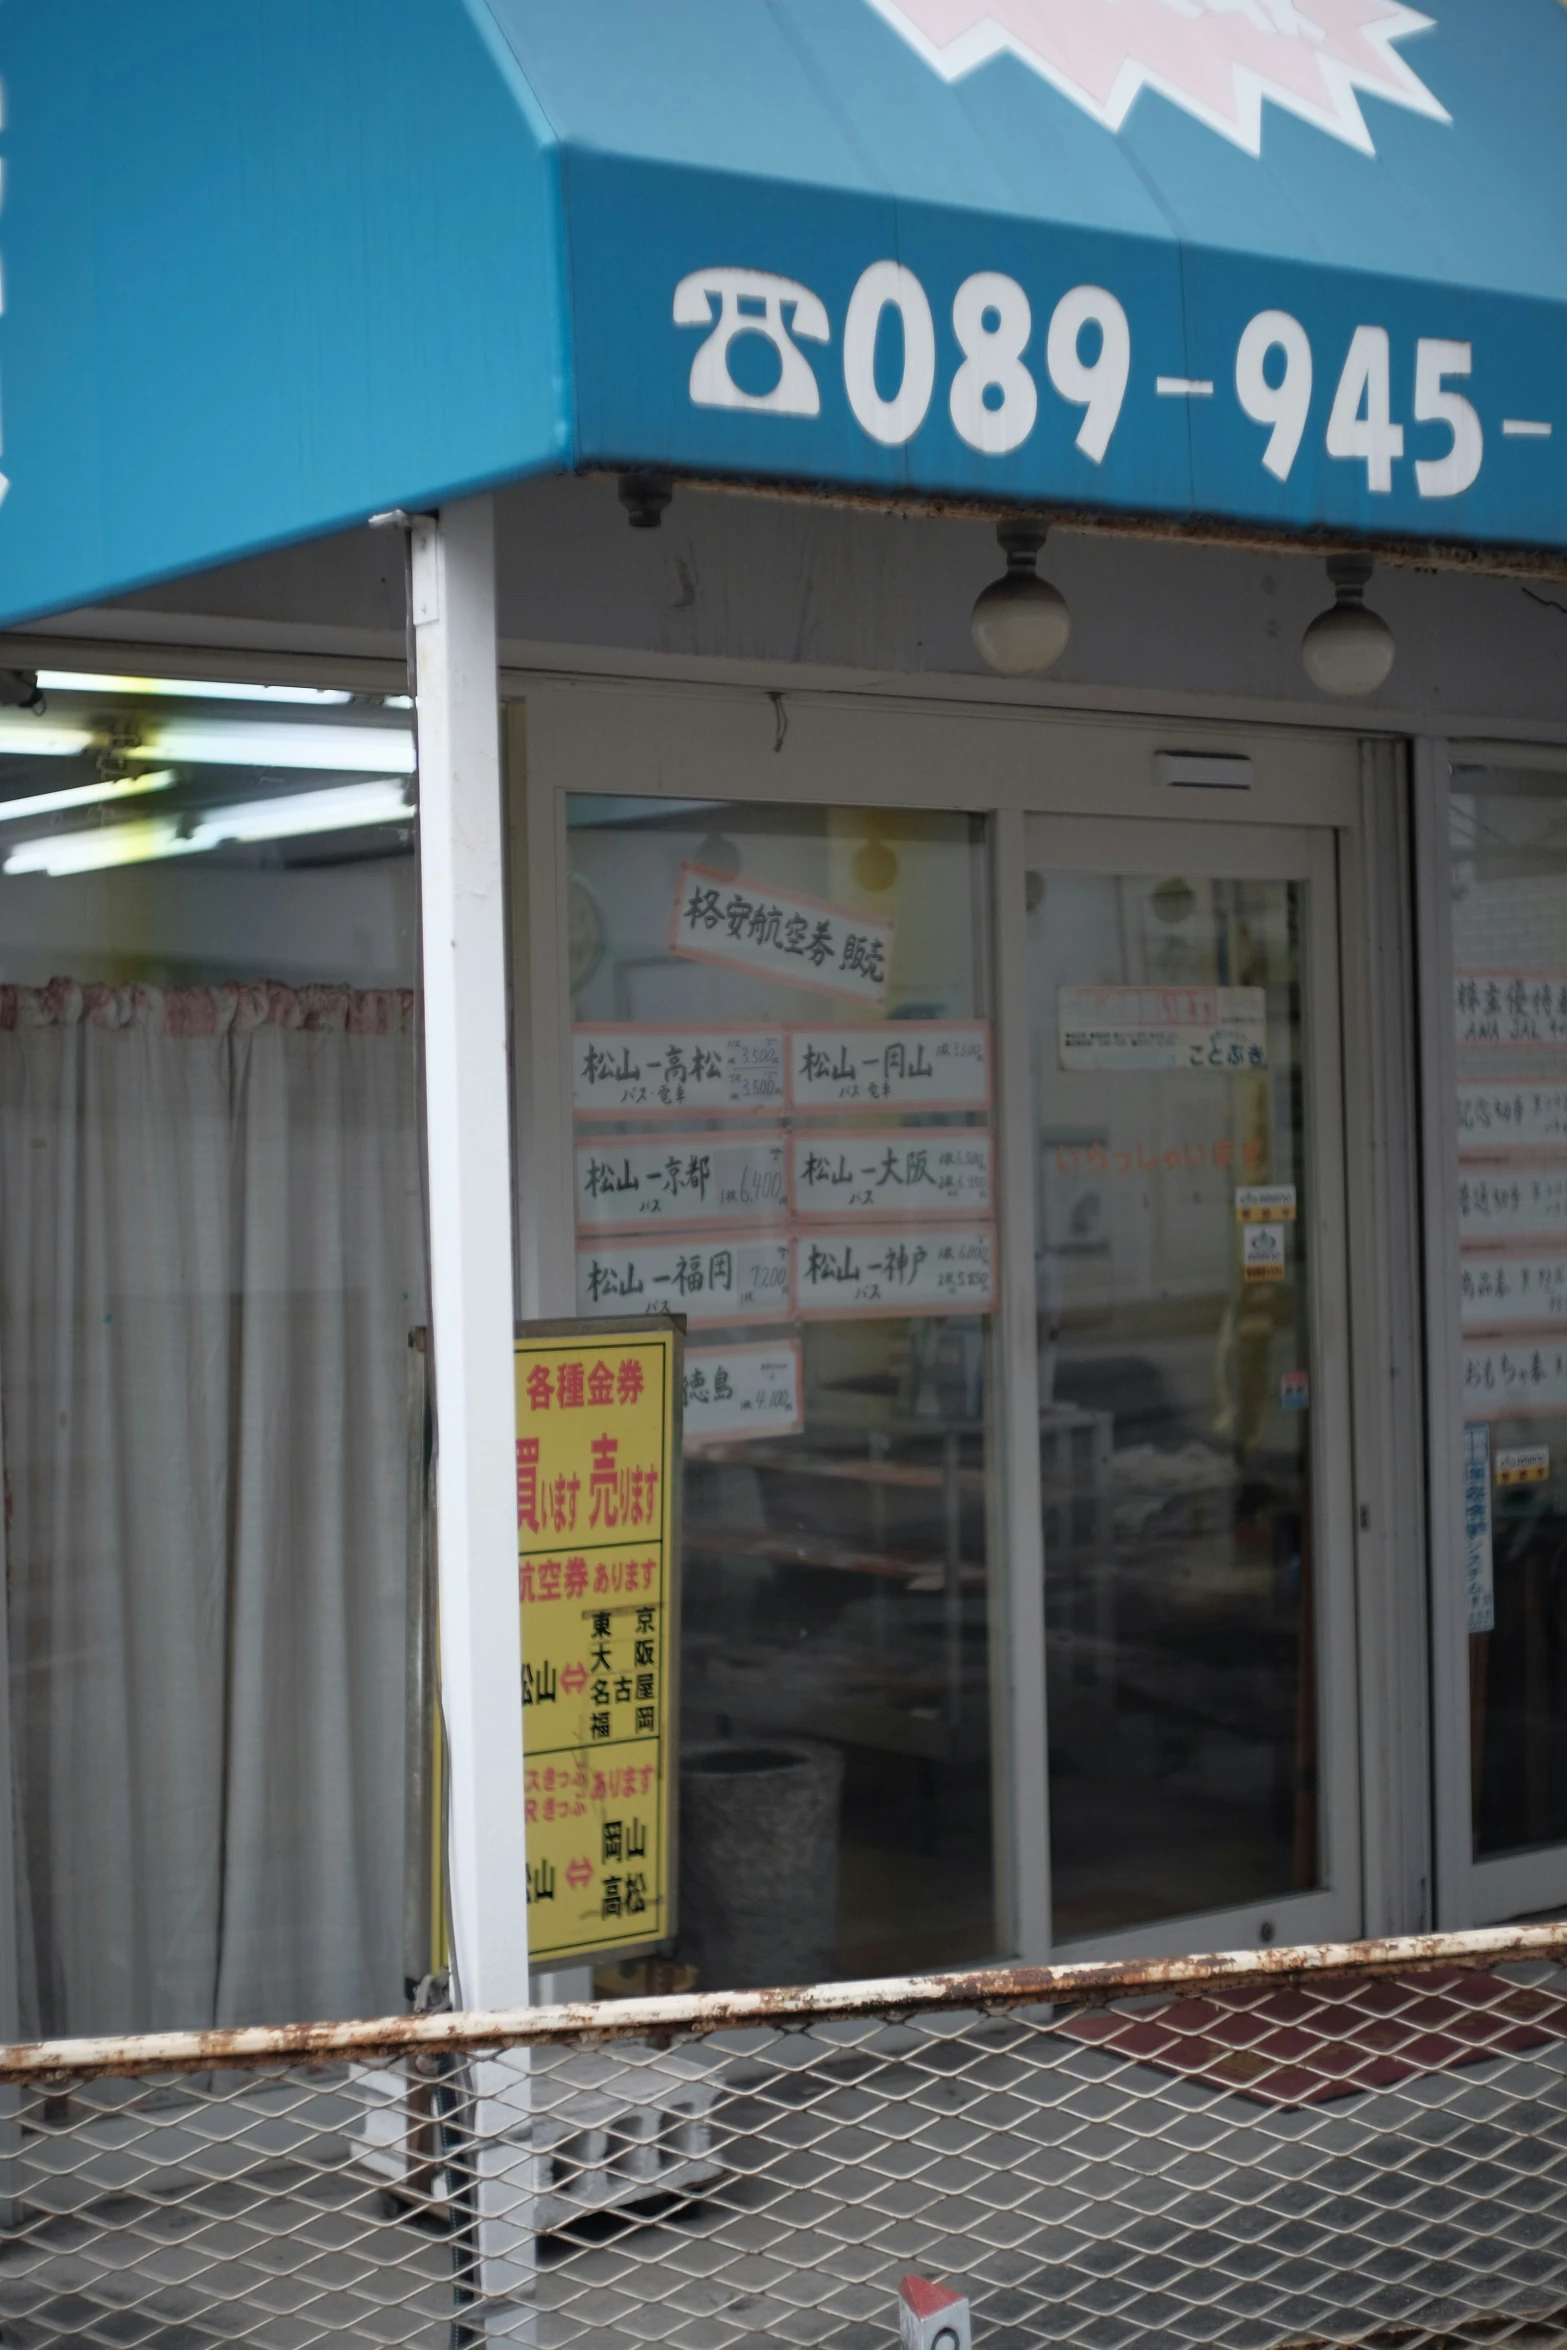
[(598, 1463)]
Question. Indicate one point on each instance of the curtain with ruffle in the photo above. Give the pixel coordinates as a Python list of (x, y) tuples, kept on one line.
[(211, 1258)]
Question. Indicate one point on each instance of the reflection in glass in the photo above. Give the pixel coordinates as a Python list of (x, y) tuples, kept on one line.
[(781, 1061), (1509, 868), (1174, 1363), (211, 1260)]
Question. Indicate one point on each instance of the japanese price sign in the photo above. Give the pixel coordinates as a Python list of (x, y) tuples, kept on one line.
[(1514, 1382), (908, 1064), (624, 1181), (598, 1465), (1511, 1115), (930, 1171), (708, 1280), (1518, 1203), (669, 1072), (1504, 1293)]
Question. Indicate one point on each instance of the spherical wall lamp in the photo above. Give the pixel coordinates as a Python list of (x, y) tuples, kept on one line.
[(1020, 623), (1348, 650)]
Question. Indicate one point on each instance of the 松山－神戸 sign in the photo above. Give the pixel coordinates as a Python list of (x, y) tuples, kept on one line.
[(598, 1465)]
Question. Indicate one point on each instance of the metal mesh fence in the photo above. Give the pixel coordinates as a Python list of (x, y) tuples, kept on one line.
[(1357, 2144)]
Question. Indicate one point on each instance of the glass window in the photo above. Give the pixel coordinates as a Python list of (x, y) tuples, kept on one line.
[(1175, 1388), (782, 1074), (1509, 880), (211, 1261)]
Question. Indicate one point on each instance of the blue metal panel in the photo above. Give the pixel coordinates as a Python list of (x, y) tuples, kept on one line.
[(268, 265)]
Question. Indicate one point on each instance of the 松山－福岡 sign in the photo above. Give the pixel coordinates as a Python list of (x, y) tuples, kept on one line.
[(598, 1487)]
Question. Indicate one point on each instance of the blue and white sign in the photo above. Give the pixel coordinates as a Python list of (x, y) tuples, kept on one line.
[(1293, 263)]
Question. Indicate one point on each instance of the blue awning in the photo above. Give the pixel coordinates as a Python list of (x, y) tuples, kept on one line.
[(267, 266)]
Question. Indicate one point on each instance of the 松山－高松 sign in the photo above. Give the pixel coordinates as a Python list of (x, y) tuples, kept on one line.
[(598, 1465)]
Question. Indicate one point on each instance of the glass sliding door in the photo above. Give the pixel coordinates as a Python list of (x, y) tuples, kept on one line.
[(782, 1083), (1497, 1146), (1188, 1206)]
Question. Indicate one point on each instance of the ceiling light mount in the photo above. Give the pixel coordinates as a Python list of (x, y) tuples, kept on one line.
[(1349, 650), (1020, 623)]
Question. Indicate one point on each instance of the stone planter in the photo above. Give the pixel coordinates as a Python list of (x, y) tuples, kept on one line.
[(759, 1861)]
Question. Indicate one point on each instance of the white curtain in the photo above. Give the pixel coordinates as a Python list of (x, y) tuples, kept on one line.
[(211, 1258)]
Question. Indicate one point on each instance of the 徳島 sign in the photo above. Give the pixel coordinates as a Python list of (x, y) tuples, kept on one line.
[(598, 1465)]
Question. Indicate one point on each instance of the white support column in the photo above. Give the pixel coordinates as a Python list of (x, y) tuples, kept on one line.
[(466, 1084), (467, 1090)]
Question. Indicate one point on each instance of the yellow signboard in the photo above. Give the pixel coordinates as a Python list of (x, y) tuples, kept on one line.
[(598, 1468)]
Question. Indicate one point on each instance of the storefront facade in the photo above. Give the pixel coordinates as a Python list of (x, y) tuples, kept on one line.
[(1104, 1128)]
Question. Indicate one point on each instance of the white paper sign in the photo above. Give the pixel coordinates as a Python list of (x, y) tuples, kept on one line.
[(1512, 1203), (1502, 1293), (1477, 1528), (780, 934), (1265, 1203), (664, 1071), (626, 1181), (742, 1391), (1523, 1464), (1263, 1253), (934, 1269), (1503, 1116), (932, 1171), (1224, 1028), (1508, 1009), (909, 1064), (1514, 1380), (708, 1280)]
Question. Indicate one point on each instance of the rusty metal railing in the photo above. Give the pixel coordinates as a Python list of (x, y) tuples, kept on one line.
[(1352, 2143)]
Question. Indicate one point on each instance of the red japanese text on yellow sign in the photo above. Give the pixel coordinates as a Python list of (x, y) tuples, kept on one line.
[(595, 1453)]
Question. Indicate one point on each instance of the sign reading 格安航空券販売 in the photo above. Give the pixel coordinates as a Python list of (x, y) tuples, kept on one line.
[(598, 1468)]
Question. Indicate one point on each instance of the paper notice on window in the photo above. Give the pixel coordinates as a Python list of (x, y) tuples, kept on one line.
[(624, 1182), (707, 1279), (1514, 1379), (1523, 1464), (1220, 1028), (619, 1071), (939, 1269), (1512, 1203), (1503, 1293), (780, 934), (1510, 1010), (934, 1171), (1263, 1251), (738, 1391), (905, 1064), (1477, 1528), (1502, 1117)]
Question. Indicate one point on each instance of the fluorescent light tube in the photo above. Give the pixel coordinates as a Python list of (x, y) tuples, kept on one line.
[(296, 813), (344, 808), (103, 845), (201, 742), (41, 738), (85, 795), (195, 689)]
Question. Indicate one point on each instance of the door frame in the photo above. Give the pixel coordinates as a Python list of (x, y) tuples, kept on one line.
[(670, 737)]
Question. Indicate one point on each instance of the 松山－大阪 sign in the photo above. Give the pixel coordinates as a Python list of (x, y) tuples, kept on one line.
[(598, 1489)]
